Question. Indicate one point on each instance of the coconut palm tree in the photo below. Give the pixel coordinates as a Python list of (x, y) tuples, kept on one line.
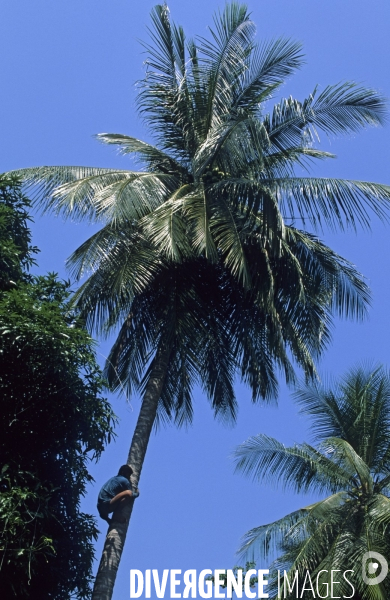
[(194, 323), (209, 209), (351, 462)]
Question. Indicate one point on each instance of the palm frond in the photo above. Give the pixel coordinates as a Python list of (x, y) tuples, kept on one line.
[(153, 158), (300, 467), (122, 264), (324, 406), (161, 91), (268, 67), (43, 182), (225, 59), (359, 404), (197, 211), (347, 107), (166, 50), (209, 151), (119, 198), (336, 203), (283, 163), (166, 227), (349, 295), (343, 453), (341, 108), (379, 513), (260, 542), (227, 238)]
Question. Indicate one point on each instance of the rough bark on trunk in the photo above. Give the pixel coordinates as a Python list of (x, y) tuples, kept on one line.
[(116, 535)]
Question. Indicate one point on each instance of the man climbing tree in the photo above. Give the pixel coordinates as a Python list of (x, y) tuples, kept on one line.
[(115, 494)]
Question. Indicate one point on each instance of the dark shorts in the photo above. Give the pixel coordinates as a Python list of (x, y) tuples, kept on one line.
[(104, 509)]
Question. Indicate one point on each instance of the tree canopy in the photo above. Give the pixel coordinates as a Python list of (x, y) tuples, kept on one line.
[(350, 462), (53, 421)]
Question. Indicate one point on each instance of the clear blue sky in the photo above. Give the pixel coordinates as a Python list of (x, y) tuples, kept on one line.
[(68, 70)]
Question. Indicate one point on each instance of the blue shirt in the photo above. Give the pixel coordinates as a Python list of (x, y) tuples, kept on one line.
[(112, 487)]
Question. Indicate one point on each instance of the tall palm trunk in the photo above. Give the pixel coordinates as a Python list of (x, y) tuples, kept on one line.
[(116, 535)]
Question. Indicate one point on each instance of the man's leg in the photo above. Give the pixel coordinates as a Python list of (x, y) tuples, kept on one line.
[(116, 505), (104, 511)]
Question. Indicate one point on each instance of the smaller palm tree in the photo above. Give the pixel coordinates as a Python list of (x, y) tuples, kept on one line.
[(351, 462)]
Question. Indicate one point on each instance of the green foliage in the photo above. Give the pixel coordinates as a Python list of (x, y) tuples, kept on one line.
[(53, 421), (15, 248), (351, 462)]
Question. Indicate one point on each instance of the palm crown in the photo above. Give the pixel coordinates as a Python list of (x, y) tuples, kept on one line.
[(219, 187), (351, 423)]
